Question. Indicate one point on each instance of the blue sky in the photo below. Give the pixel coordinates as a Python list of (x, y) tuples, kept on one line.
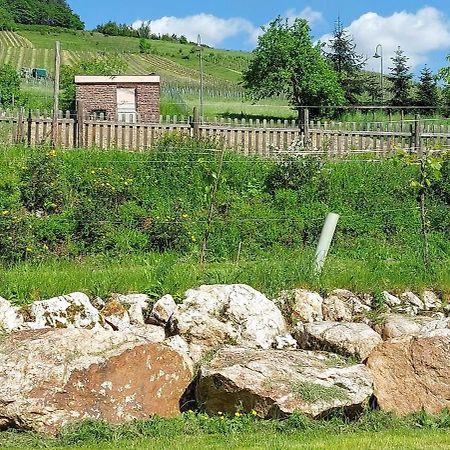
[(422, 29)]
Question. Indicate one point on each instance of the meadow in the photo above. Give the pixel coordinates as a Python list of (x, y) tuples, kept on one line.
[(103, 222)]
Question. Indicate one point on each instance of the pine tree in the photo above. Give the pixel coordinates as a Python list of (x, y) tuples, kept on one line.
[(401, 79), (346, 62), (427, 93)]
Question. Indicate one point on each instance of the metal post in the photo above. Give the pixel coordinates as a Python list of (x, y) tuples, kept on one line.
[(326, 238)]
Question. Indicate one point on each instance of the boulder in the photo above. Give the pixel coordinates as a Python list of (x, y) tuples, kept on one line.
[(137, 304), (276, 383), (411, 304), (68, 311), (300, 305), (213, 316), (53, 377), (344, 306), (115, 314), (431, 301), (163, 310), (412, 374), (395, 326), (10, 317), (390, 300), (347, 339)]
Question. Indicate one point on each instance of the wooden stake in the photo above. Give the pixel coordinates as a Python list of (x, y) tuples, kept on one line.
[(56, 94)]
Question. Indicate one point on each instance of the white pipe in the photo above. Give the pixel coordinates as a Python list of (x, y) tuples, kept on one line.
[(326, 238)]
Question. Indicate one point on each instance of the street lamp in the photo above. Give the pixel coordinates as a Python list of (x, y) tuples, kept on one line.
[(379, 55)]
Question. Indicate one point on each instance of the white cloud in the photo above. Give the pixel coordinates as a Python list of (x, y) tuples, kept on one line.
[(214, 30), (417, 34)]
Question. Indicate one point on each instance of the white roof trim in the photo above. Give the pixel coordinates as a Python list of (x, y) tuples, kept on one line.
[(89, 79)]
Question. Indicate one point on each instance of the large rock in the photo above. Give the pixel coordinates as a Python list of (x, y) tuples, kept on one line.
[(276, 383), (347, 339), (73, 310), (50, 378), (394, 326), (412, 374), (300, 305), (163, 310), (344, 306), (214, 316), (10, 316)]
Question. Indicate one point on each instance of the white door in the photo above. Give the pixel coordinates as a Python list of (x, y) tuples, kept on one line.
[(126, 104)]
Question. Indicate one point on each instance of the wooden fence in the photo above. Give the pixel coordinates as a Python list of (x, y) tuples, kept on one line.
[(315, 137)]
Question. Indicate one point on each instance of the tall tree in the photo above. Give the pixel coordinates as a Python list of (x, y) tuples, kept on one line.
[(287, 62), (401, 79), (427, 93), (346, 62)]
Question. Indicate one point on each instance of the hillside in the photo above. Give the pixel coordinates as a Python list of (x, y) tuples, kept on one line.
[(32, 46)]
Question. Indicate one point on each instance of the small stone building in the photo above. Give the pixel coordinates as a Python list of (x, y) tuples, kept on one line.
[(122, 98)]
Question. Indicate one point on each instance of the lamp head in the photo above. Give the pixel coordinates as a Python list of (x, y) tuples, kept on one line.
[(377, 55)]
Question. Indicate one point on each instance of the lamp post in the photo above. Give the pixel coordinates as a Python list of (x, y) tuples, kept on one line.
[(379, 55)]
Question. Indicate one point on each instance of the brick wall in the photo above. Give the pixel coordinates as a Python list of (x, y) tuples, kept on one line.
[(103, 97)]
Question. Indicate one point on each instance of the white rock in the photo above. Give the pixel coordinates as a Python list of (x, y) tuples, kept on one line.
[(163, 310), (73, 310), (411, 304), (431, 301), (347, 339), (391, 300), (213, 316), (344, 306), (10, 317), (300, 305), (286, 342), (136, 314)]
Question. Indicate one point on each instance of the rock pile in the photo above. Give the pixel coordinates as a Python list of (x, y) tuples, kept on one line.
[(227, 348)]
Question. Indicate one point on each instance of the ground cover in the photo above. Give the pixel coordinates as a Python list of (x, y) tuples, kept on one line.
[(192, 431), (115, 221)]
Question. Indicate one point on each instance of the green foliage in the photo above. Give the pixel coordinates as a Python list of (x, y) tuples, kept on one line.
[(347, 63), (99, 65), (286, 62), (401, 79), (43, 12), (427, 92), (313, 392), (145, 46), (9, 85)]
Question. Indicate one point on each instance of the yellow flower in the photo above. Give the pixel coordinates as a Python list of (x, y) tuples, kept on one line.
[(253, 412), (5, 212), (238, 414), (185, 216), (29, 249)]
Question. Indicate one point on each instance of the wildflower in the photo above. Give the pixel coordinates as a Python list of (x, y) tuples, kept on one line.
[(5, 212), (29, 249), (220, 413), (185, 216), (238, 414), (45, 246), (253, 412)]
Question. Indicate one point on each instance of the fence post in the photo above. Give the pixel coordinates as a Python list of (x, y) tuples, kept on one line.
[(418, 129), (79, 125), (196, 123), (304, 126), (29, 127)]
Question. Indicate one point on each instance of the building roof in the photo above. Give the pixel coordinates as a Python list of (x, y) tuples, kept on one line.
[(116, 79)]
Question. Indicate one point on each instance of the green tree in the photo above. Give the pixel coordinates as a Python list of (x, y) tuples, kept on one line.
[(101, 65), (286, 62), (346, 62), (401, 79), (444, 76), (145, 46), (427, 93), (9, 85)]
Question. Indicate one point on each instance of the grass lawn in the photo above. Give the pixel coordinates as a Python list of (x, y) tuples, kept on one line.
[(385, 440)]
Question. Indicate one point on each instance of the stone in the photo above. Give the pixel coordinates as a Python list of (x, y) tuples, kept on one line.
[(344, 306), (276, 383), (285, 342), (213, 316), (53, 377), (391, 300), (431, 301), (116, 315), (10, 317), (73, 310), (411, 304), (136, 304), (163, 310), (412, 374), (395, 326), (300, 305), (355, 340)]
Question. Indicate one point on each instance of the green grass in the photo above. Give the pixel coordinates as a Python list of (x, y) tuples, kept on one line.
[(374, 430)]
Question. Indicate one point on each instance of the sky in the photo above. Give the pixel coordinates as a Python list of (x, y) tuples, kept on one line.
[(421, 29)]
